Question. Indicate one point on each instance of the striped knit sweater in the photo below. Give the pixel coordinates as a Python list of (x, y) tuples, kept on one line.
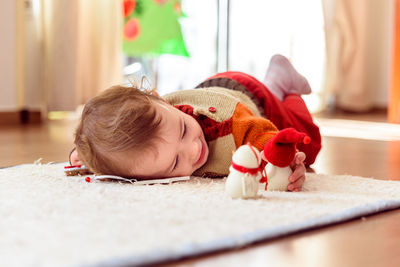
[(228, 118)]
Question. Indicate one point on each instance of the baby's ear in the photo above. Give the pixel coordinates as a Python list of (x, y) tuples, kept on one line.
[(74, 158)]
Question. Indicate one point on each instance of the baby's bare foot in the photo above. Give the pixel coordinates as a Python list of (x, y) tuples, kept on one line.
[(282, 79)]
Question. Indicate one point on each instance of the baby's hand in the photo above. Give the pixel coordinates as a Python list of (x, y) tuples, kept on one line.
[(296, 180)]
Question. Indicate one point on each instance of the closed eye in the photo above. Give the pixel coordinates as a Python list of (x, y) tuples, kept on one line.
[(183, 135), (184, 130), (176, 162)]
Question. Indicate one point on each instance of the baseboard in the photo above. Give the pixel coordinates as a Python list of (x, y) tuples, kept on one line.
[(20, 117)]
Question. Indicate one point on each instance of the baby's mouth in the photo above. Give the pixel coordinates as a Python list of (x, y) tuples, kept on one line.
[(202, 153)]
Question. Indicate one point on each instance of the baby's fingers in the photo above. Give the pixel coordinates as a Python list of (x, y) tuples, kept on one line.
[(297, 184), (298, 160), (296, 180), (300, 157), (298, 172)]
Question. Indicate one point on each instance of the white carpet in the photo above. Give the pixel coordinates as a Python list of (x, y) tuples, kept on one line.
[(48, 219)]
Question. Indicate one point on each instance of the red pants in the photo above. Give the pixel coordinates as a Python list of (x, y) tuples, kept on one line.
[(291, 112)]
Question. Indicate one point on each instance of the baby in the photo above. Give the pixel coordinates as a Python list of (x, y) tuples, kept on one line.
[(132, 133)]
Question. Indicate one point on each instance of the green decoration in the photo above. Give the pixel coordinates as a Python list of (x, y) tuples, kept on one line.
[(151, 28)]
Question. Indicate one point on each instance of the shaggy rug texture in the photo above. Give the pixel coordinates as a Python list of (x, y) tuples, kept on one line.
[(48, 219)]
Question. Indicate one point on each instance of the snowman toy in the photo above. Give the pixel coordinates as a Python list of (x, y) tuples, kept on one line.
[(244, 173), (279, 152)]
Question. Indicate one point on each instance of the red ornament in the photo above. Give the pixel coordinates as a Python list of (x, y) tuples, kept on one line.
[(88, 179), (129, 7), (178, 7), (160, 2), (132, 29)]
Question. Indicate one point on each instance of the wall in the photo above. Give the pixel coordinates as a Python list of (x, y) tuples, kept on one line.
[(8, 58), (20, 56), (261, 28), (33, 56), (379, 50)]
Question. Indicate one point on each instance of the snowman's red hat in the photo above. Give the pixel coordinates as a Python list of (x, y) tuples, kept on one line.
[(281, 149)]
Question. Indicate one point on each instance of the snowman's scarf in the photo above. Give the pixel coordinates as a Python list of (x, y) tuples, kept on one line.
[(253, 171), (242, 169)]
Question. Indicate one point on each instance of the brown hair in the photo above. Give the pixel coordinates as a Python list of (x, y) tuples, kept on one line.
[(119, 119)]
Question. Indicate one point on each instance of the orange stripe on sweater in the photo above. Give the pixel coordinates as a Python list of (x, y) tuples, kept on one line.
[(247, 128)]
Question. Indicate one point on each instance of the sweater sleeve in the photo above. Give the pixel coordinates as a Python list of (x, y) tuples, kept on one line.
[(247, 128)]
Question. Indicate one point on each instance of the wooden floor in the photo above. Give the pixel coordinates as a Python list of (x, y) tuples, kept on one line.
[(371, 241)]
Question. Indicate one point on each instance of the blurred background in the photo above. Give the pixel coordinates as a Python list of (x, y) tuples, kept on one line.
[(56, 55)]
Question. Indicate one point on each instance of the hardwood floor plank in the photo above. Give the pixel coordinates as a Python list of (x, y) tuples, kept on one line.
[(370, 241), (51, 141)]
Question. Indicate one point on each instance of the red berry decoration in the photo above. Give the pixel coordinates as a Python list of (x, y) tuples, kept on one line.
[(160, 2), (129, 7), (132, 29)]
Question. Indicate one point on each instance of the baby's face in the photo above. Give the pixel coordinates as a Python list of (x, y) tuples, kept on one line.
[(181, 150)]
